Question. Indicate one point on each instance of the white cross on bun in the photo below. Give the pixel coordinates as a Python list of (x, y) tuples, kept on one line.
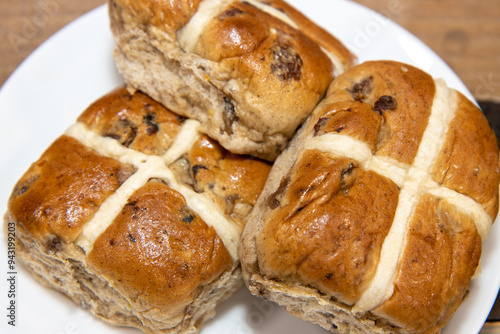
[(136, 215), (372, 220)]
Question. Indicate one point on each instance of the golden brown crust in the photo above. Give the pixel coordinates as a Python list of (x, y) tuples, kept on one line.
[(236, 180), (442, 253), (159, 251), (389, 88), (316, 33), (136, 121), (286, 61), (468, 162), (351, 118), (327, 226), (237, 21), (165, 14), (61, 192)]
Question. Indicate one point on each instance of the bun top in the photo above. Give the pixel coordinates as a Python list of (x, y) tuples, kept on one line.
[(150, 203), (384, 197)]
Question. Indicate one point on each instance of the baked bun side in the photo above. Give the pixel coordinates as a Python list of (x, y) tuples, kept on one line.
[(136, 215), (249, 71), (373, 218)]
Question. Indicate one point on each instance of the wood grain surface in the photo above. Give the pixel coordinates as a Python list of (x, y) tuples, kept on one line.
[(24, 25), (466, 34)]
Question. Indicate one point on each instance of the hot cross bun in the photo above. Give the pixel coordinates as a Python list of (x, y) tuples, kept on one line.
[(249, 71), (372, 220), (136, 215)]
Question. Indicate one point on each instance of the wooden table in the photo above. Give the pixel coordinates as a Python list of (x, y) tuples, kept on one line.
[(466, 34)]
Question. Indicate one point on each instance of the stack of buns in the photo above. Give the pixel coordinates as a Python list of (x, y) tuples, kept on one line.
[(248, 146)]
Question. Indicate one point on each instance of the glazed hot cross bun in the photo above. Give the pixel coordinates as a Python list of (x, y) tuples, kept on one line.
[(373, 218), (250, 71), (136, 215)]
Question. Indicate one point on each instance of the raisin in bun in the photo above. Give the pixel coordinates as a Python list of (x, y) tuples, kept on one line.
[(249, 71), (136, 215), (372, 220)]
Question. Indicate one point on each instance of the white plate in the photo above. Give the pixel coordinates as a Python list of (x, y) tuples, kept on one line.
[(75, 67)]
